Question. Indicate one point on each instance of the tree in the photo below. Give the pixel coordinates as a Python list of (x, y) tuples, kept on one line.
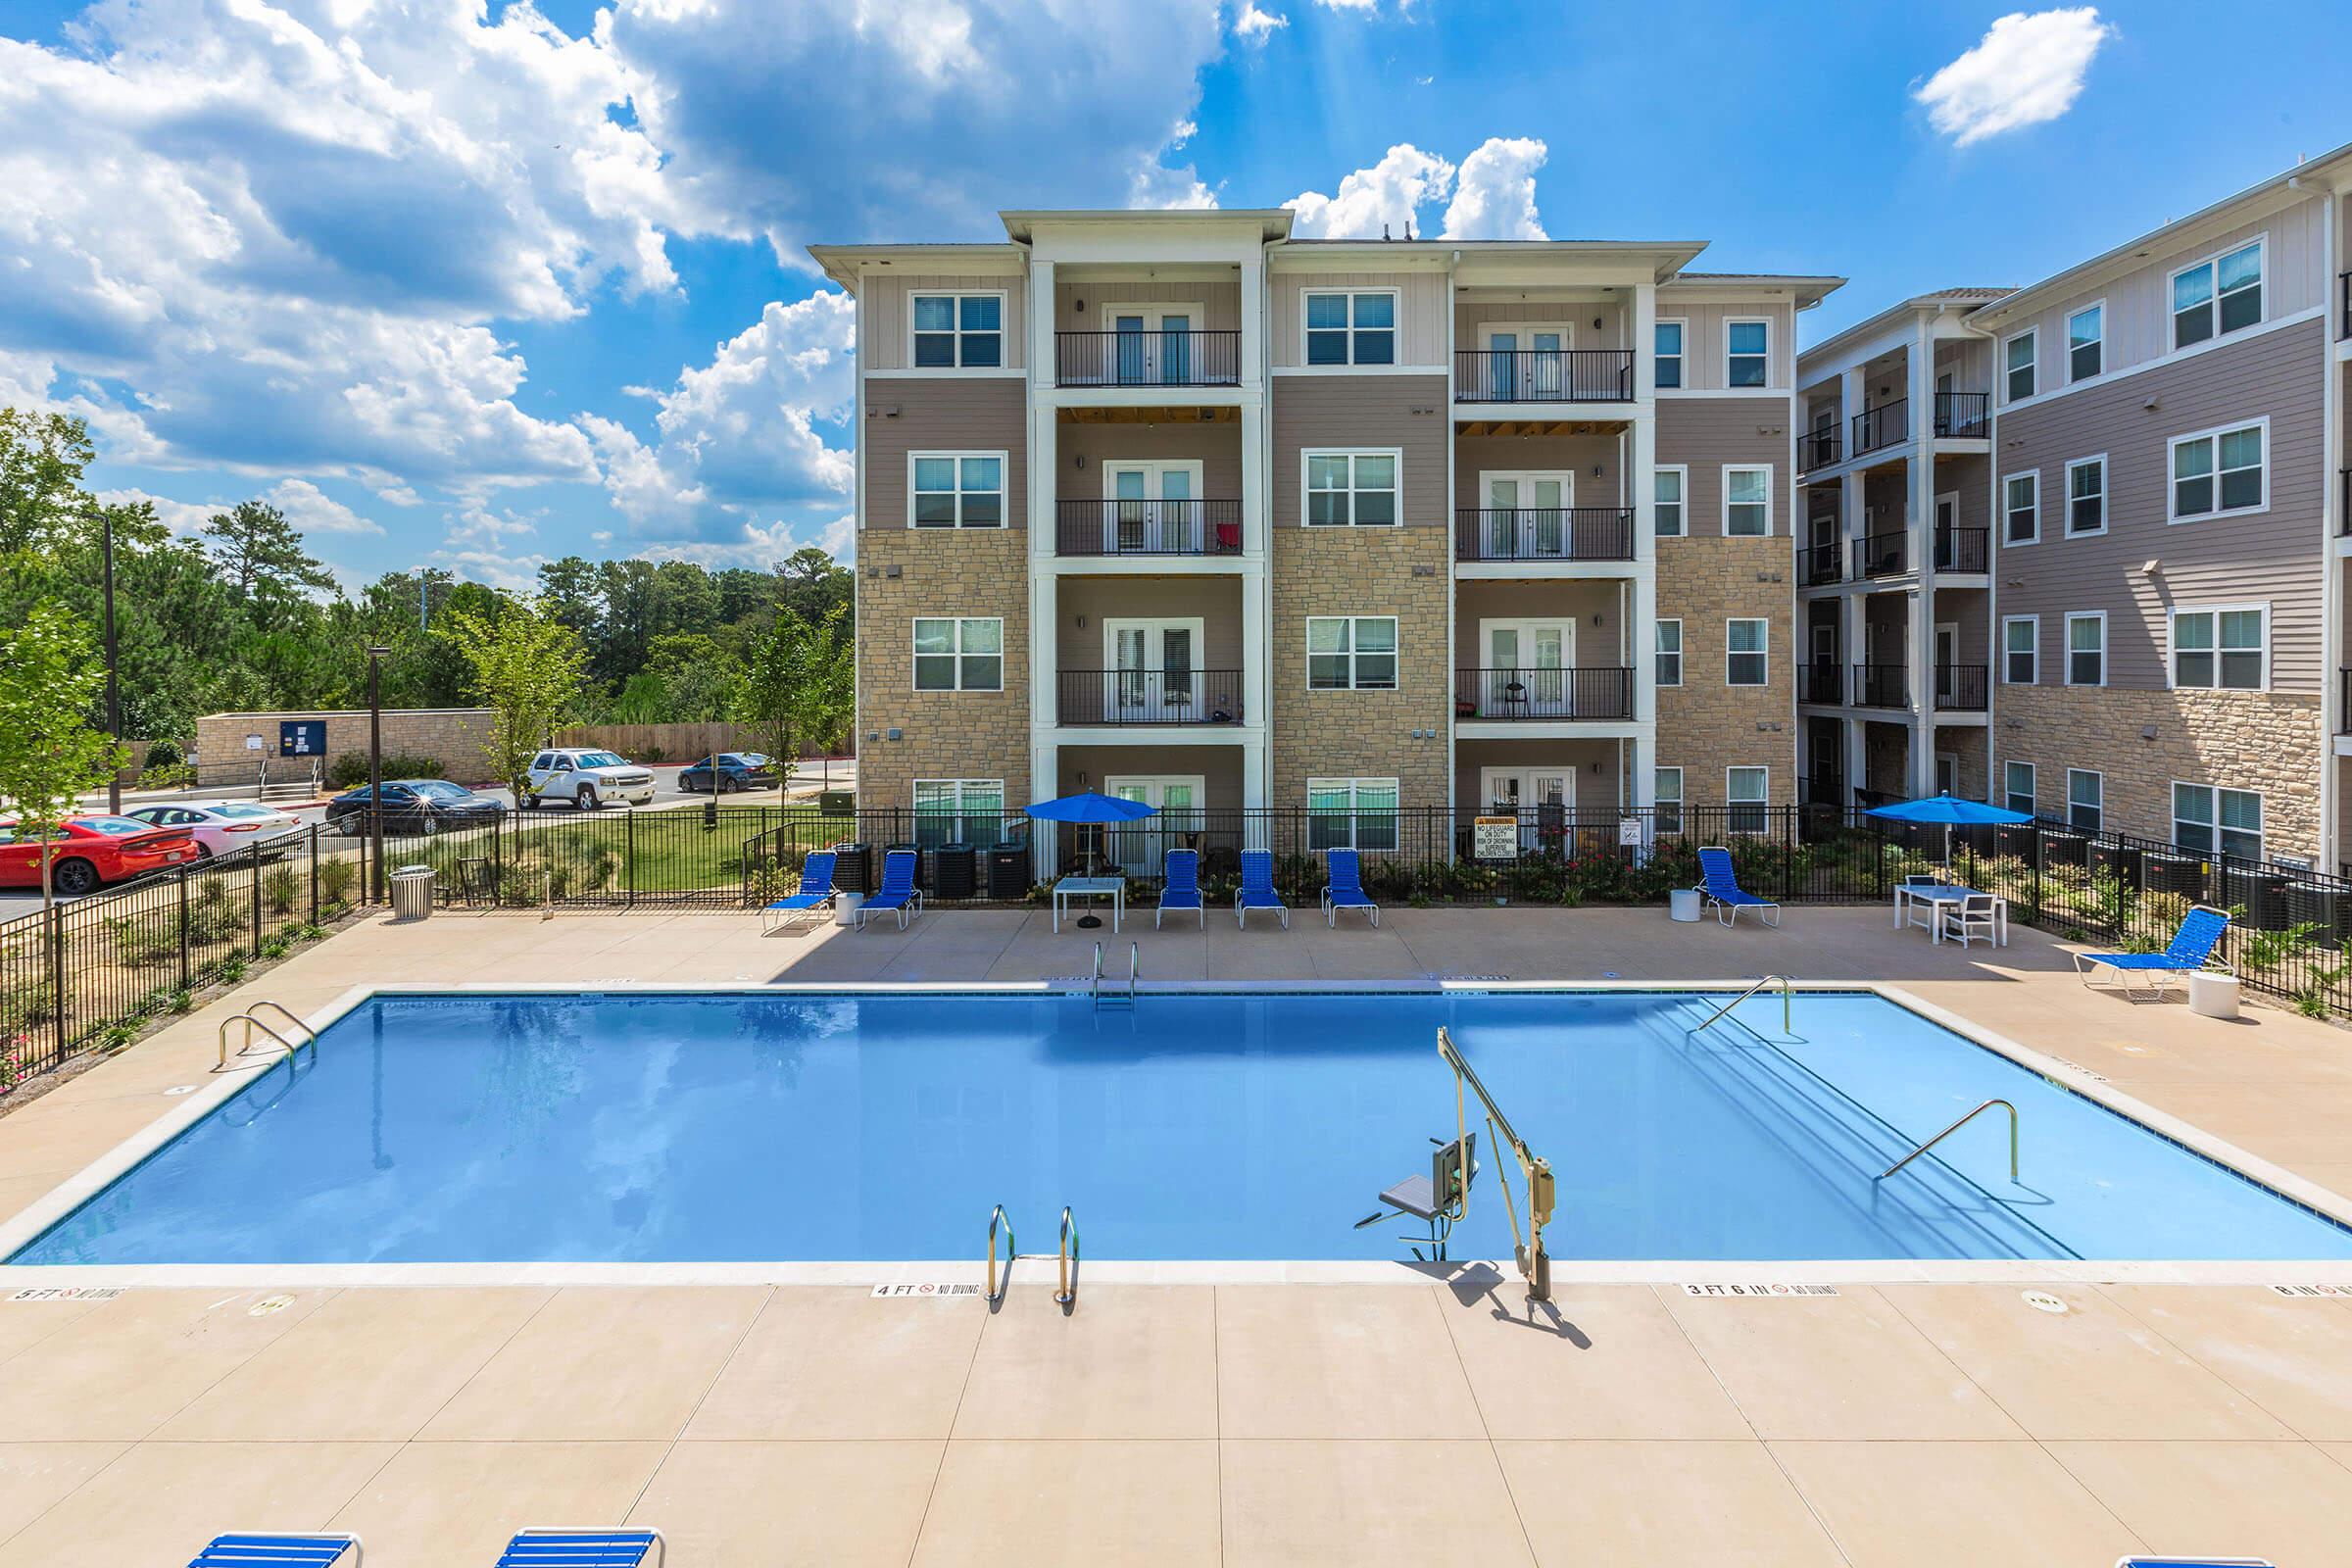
[(811, 584), (42, 457), (262, 553), (798, 689), (50, 679), (527, 666)]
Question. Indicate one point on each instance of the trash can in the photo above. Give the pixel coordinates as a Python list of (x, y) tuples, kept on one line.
[(412, 892), (2212, 993), (854, 866), (845, 906), (954, 871), (1008, 873)]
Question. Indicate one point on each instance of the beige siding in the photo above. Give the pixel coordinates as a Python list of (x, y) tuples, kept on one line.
[(1595, 793), (1218, 302), (1704, 340), (1420, 312), (1358, 413), (1472, 317), (1216, 602), (1218, 448), (1219, 767), (888, 340), (1578, 456), (942, 413)]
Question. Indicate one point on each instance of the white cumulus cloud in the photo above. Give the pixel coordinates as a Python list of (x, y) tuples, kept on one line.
[(1492, 191), (1256, 26), (2027, 70), (1494, 194)]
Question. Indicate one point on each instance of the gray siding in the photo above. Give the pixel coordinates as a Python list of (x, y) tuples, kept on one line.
[(887, 339), (1578, 455), (1216, 602), (1705, 433), (2272, 556), (1361, 412), (942, 413), (1218, 448)]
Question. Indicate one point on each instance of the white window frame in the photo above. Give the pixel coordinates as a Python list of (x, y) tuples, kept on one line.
[(1355, 813), (2172, 650), (2032, 787), (1681, 357), (1003, 299), (1351, 652), (2065, 525), (1396, 327), (2261, 246), (2213, 794), (954, 655), (1682, 508), (2099, 619), (1306, 456), (1003, 492), (1660, 653), (1764, 653), (1771, 520), (1732, 384), (1732, 806), (1659, 800), (2097, 811), (2032, 366), (2213, 434), (958, 785), (2035, 622), (2099, 342), (2034, 477)]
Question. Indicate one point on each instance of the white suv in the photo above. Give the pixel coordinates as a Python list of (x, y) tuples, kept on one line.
[(587, 780)]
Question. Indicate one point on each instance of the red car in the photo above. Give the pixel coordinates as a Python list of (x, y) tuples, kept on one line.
[(91, 850)]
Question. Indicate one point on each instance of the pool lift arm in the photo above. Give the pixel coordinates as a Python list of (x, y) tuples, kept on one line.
[(1535, 1265)]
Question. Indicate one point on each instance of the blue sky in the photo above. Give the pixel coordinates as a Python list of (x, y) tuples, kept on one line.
[(475, 286)]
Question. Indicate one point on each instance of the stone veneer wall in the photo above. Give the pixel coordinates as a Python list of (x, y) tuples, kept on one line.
[(1705, 726), (454, 737), (968, 571), (2272, 742), (1320, 734)]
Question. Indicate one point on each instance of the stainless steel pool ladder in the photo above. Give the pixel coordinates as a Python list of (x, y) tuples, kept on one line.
[(1785, 1003), (1134, 967), (1955, 1127), (1067, 1295), (251, 1023), (996, 1216)]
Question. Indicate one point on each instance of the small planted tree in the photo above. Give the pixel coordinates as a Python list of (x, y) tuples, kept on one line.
[(526, 668), (50, 680), (798, 688)]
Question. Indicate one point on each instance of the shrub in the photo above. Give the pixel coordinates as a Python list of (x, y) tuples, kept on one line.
[(336, 877), (655, 753), (277, 947), (163, 754), (349, 771), (279, 889), (232, 967), (141, 942), (181, 1001)]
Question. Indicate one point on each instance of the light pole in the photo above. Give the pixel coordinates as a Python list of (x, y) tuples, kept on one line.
[(114, 695), (375, 776)]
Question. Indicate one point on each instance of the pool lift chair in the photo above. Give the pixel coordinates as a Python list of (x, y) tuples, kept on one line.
[(1437, 1200)]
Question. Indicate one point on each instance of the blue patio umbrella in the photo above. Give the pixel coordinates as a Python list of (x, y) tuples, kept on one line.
[(1091, 805), (1951, 811)]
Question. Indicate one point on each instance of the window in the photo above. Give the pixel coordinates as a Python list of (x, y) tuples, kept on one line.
[(956, 490), (2086, 342), (2021, 650), (1747, 353), (1351, 653), (2016, 786), (2219, 294), (1746, 502), (2221, 650), (2018, 356), (958, 331), (1351, 488), (958, 810), (2086, 648), (2021, 508), (960, 655), (2085, 793), (2086, 496), (1666, 795), (2207, 818), (1668, 487), (1358, 813), (1669, 652), (2217, 472), (1668, 340), (1745, 791), (1351, 329), (1744, 657)]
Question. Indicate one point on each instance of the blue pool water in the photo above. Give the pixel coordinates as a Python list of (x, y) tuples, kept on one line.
[(769, 1127)]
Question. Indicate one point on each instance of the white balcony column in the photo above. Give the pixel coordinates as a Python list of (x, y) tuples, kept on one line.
[(1850, 526), (1644, 785), (1254, 786), (1855, 733), (1920, 501), (1254, 319), (1919, 643), (1041, 324), (1045, 649), (1640, 484), (1853, 387), (1258, 690)]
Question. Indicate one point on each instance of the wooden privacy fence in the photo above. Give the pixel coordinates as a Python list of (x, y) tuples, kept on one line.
[(673, 743)]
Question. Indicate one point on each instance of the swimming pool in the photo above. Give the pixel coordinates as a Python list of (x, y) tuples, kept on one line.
[(773, 1127)]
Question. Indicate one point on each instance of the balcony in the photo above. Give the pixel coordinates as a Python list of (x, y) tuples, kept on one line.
[(1818, 566), (1586, 694), (1959, 550), (1888, 425), (1963, 415), (1817, 448), (1544, 533), (1819, 682), (1882, 554), (1148, 528), (1882, 686), (2343, 702), (1148, 697), (1963, 688), (1544, 375), (1148, 359)]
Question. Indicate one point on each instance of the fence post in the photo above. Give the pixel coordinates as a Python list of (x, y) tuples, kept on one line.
[(57, 977), (313, 874), (2039, 862), (183, 928), (630, 826), (254, 871), (1787, 854)]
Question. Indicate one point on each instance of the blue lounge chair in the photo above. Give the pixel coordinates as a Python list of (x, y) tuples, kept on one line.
[(1719, 884), (816, 893), (896, 894), (277, 1551), (1257, 888), (1181, 889), (1345, 888), (2191, 950), (583, 1549)]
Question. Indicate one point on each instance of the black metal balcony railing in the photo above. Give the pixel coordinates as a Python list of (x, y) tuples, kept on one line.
[(1586, 693), (1962, 688), (2344, 295), (1882, 555), (1818, 448), (2344, 500), (1882, 426), (1962, 549), (1148, 528), (1820, 682), (1821, 789), (1148, 359), (2343, 702), (1961, 415), (1882, 686), (1148, 696), (1544, 533), (1544, 375), (1818, 564)]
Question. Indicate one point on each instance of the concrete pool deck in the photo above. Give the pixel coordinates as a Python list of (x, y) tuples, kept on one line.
[(1895, 1423)]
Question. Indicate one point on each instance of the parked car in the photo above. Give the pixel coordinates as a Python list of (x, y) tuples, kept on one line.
[(222, 827), (415, 806), (91, 850), (587, 780), (737, 771)]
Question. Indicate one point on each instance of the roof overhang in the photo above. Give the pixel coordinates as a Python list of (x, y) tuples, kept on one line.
[(1272, 223), (844, 264), (1804, 292)]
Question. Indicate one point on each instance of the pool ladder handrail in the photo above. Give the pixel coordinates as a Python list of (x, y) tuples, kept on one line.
[(1786, 1003), (1135, 968), (252, 1024), (996, 1291), (1067, 1295), (1955, 1127)]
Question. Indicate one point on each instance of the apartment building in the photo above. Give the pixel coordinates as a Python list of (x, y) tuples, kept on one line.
[(1176, 507), (2161, 470)]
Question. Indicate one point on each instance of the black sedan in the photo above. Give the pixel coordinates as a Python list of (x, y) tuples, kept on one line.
[(736, 771), (415, 806)]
